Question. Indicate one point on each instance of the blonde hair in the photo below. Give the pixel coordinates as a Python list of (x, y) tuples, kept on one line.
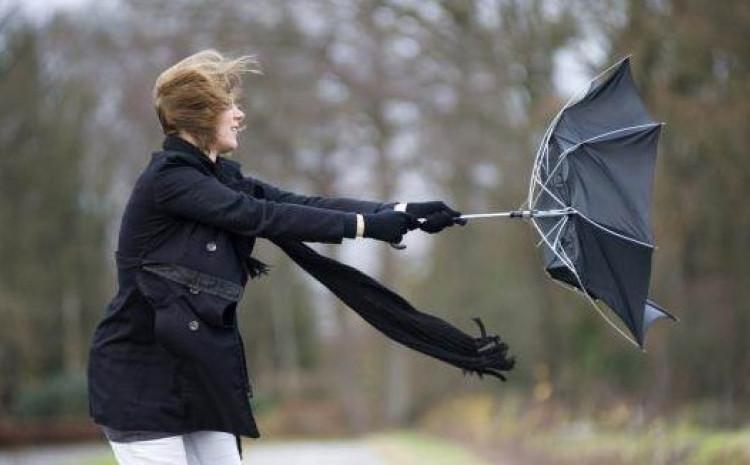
[(190, 95)]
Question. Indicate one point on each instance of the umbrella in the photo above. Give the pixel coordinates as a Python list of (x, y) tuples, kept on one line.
[(589, 199)]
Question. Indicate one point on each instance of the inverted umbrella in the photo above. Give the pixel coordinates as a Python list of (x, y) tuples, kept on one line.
[(590, 195)]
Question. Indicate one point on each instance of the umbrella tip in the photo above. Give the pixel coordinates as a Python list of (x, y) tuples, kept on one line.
[(624, 59)]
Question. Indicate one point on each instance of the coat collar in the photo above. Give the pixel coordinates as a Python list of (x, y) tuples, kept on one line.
[(177, 143)]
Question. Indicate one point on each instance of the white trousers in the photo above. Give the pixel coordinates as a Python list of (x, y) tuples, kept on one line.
[(198, 448)]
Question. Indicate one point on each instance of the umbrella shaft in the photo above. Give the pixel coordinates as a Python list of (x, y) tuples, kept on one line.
[(519, 214)]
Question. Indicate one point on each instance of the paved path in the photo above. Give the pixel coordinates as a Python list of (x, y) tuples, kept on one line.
[(54, 455), (334, 452), (344, 452), (383, 451)]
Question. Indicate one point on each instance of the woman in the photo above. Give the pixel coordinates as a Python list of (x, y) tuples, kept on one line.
[(167, 372)]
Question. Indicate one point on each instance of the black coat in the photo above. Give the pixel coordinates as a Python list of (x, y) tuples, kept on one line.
[(168, 354)]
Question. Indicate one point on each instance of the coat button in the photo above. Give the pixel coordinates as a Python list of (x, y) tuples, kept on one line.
[(193, 325), (211, 246), (194, 290)]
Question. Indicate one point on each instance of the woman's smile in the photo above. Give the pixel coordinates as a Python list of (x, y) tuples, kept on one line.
[(229, 125)]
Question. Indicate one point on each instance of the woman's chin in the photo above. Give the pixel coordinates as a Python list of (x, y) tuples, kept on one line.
[(229, 147)]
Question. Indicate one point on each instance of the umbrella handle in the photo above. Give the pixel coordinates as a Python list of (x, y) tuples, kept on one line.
[(522, 214), (515, 214)]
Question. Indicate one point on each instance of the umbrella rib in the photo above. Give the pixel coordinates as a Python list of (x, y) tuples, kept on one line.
[(551, 230), (559, 232), (543, 185), (550, 193), (540, 153), (565, 260)]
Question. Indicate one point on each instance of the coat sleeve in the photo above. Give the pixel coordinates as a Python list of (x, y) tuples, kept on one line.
[(346, 204), (186, 192)]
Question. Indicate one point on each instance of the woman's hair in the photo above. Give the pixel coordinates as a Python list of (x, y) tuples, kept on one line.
[(190, 95)]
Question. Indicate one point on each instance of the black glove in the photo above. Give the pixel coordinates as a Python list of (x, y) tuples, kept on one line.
[(389, 225), (424, 209), (438, 215), (436, 222)]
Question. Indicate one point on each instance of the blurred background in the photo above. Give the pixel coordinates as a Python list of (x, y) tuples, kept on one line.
[(390, 100)]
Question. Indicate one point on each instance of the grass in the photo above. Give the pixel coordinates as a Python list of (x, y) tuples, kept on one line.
[(407, 447), (542, 433), (652, 445), (108, 460)]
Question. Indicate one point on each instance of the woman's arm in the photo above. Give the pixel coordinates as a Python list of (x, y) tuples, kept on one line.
[(347, 204), (184, 191)]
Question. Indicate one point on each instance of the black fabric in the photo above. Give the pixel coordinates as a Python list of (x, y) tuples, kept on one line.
[(612, 103), (396, 318), (616, 271), (610, 181)]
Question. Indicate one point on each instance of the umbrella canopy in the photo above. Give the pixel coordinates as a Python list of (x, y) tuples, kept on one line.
[(594, 170)]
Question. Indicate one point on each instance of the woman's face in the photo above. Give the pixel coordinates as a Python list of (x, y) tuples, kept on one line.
[(229, 125)]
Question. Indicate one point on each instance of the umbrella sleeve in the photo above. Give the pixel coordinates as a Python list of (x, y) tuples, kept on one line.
[(400, 321)]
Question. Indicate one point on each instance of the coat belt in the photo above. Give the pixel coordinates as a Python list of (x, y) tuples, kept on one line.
[(194, 279)]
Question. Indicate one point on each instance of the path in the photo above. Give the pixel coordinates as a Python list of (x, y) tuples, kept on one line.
[(54, 454), (336, 452)]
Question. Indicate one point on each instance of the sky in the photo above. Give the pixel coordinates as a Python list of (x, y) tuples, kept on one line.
[(41, 10), (569, 78)]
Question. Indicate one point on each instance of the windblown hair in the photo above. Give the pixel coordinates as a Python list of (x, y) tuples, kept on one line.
[(190, 95)]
